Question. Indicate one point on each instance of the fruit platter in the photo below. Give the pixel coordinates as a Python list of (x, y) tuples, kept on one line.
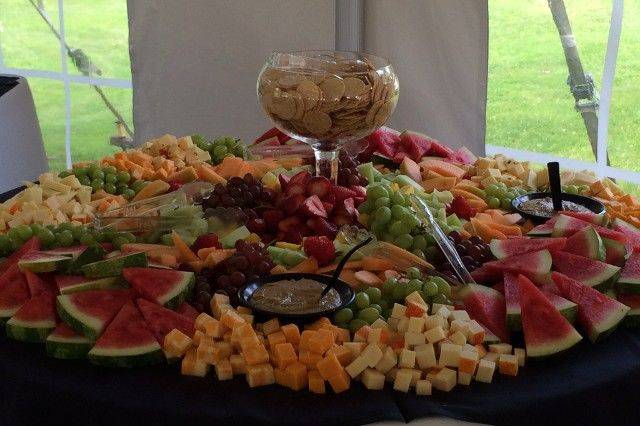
[(158, 305)]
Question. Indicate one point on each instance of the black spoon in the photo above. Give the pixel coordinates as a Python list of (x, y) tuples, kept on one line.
[(554, 183), (343, 262)]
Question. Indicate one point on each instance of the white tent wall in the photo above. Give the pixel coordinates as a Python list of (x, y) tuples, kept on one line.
[(194, 64)]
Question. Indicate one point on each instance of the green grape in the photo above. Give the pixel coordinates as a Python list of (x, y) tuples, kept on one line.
[(493, 202), (119, 241), (365, 207), (398, 228), (502, 185), (369, 315), (442, 299), (382, 202), (93, 167), (128, 193), (572, 189), (63, 174), (398, 293), (398, 199), (430, 253), (443, 286), (413, 285), (78, 232), (386, 313), (362, 300), (430, 288), (84, 180), (15, 244), (87, 239), (410, 220), (376, 307), (404, 241), (109, 170), (356, 324), (110, 188), (374, 294), (343, 315), (79, 171), (35, 227), (398, 211), (491, 189), (97, 184), (500, 193), (377, 191), (383, 214), (384, 304), (505, 204), (46, 236), (5, 244), (418, 253), (388, 286), (14, 234), (413, 272), (97, 175), (419, 242), (219, 151), (24, 232), (138, 185), (111, 178), (123, 177), (100, 237), (66, 226), (387, 237), (64, 238)]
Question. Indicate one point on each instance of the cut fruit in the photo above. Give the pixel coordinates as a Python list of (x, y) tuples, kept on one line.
[(90, 254), (567, 308), (89, 312), (632, 233), (546, 331), (629, 280), (114, 265), (515, 246), (566, 226), (35, 320), (632, 320), (127, 342), (163, 286), (41, 261), (615, 252), (37, 285), (14, 291), (598, 314), (543, 230), (486, 306), (586, 243), (534, 263), (188, 311), (33, 244), (73, 251), (162, 320), (65, 343), (596, 219), (68, 284), (589, 272)]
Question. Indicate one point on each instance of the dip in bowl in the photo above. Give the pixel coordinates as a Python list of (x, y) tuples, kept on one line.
[(538, 206)]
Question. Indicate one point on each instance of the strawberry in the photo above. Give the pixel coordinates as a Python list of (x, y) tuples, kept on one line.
[(319, 185), (293, 236), (322, 227), (361, 191), (321, 248), (342, 193), (302, 178), (289, 223), (284, 181), (205, 241), (295, 189), (461, 207), (271, 133), (292, 203), (272, 218), (328, 207), (174, 185), (341, 219), (349, 207), (312, 207)]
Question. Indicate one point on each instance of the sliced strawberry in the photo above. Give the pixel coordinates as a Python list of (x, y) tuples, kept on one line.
[(292, 203), (321, 248), (174, 185), (349, 207), (341, 219), (342, 193), (271, 133), (302, 178), (289, 223), (312, 207), (295, 189), (205, 241), (284, 181), (328, 207), (272, 218), (361, 191), (319, 185), (322, 227)]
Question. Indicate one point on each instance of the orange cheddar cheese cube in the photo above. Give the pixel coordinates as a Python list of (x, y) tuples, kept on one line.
[(297, 376), (305, 337), (316, 382), (199, 336), (244, 310), (260, 375), (214, 328), (342, 335), (201, 320), (329, 366), (275, 338), (341, 382), (237, 364), (291, 333), (310, 359), (231, 319), (191, 366), (322, 322), (176, 343), (342, 353), (247, 342), (271, 326), (281, 377), (256, 354), (284, 355), (224, 370), (205, 350)]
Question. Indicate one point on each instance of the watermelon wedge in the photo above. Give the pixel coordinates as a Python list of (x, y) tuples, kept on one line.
[(37, 285), (162, 320), (632, 233), (589, 272), (632, 320), (534, 263), (88, 255), (127, 342), (14, 291), (566, 226), (114, 265), (188, 311), (68, 284), (629, 280), (31, 245), (89, 312), (489, 337), (486, 306), (41, 261), (546, 331), (596, 219), (65, 343), (163, 286), (34, 320), (515, 246), (566, 307), (544, 229), (73, 251), (586, 243), (615, 252), (598, 314)]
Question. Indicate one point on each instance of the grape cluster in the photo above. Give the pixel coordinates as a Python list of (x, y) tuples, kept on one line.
[(249, 262), (245, 192), (373, 303), (499, 196), (219, 148), (63, 235), (473, 252), (107, 178), (348, 173)]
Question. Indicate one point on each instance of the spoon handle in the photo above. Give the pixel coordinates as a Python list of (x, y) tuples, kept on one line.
[(554, 183), (343, 262)]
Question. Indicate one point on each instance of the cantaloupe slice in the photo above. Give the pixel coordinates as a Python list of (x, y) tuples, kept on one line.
[(442, 167), (371, 263), (206, 172), (155, 188), (230, 166), (485, 232), (439, 183), (185, 252), (217, 256), (309, 265)]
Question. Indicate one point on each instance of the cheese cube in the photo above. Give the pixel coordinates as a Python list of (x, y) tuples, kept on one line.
[(431, 321), (248, 318), (177, 343), (329, 366), (435, 334), (379, 323), (356, 367), (355, 348), (500, 348), (284, 354), (372, 354), (423, 387), (390, 375), (425, 356), (372, 379), (205, 352), (464, 378), (214, 328), (393, 323), (449, 355), (508, 365), (402, 381), (485, 371), (521, 354), (491, 356), (340, 383), (468, 347), (407, 359), (468, 361), (416, 325), (414, 339), (237, 364), (458, 338), (224, 370), (459, 325), (415, 298), (388, 361), (310, 359), (415, 376), (431, 374), (276, 338), (375, 336), (199, 336), (444, 312), (191, 366), (271, 326), (403, 325), (416, 309), (362, 334), (316, 383), (398, 311), (445, 380), (296, 376), (291, 333), (244, 310), (460, 315), (437, 306), (231, 319), (342, 353), (201, 320), (255, 354), (260, 375)]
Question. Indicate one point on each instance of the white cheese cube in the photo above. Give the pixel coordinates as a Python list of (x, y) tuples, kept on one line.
[(475, 333), (372, 354), (449, 355), (416, 298), (388, 361), (402, 382), (437, 306), (413, 339), (417, 375), (435, 334), (444, 312), (485, 371), (491, 356), (468, 347), (423, 387), (468, 361), (459, 315), (508, 365), (393, 323), (500, 348), (403, 325), (380, 323), (390, 375), (416, 325), (374, 336), (372, 379), (356, 367), (445, 380), (407, 359), (458, 338), (521, 354), (431, 321), (398, 311), (425, 356), (464, 378), (461, 326)]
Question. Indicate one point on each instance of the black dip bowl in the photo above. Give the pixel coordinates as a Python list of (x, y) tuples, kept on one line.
[(590, 203), (246, 292)]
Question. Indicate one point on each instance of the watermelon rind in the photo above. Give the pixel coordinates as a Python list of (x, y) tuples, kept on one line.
[(515, 246), (85, 324), (97, 284), (543, 230), (171, 299), (567, 308), (615, 252), (586, 243), (29, 331), (179, 293), (91, 254), (629, 280), (114, 265), (129, 357), (601, 281), (75, 347), (40, 262), (632, 320)]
